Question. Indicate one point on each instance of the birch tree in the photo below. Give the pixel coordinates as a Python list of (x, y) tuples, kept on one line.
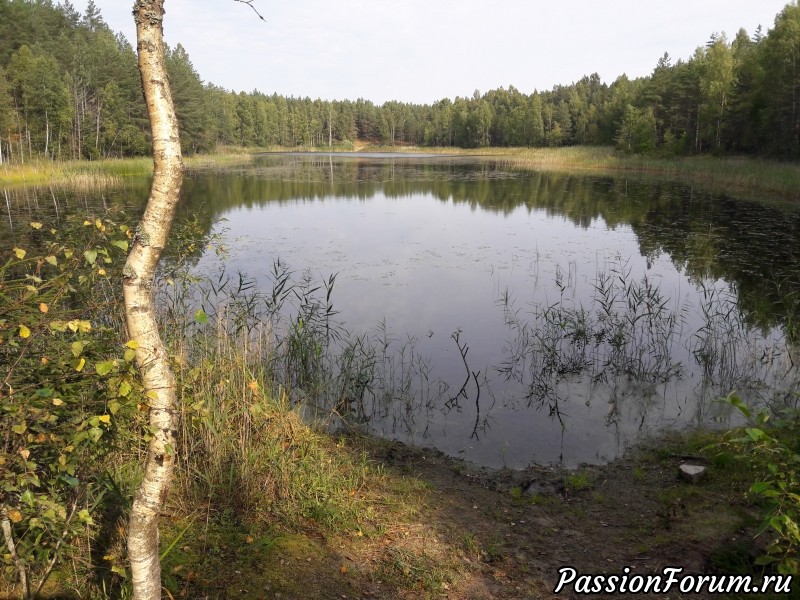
[(151, 355)]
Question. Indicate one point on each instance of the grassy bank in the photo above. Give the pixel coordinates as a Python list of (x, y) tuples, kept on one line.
[(750, 177), (99, 174), (732, 175), (741, 176), (82, 175)]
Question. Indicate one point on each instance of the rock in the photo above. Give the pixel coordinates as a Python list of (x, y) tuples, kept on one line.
[(692, 473)]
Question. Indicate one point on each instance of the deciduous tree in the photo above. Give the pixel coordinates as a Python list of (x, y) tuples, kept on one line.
[(151, 355)]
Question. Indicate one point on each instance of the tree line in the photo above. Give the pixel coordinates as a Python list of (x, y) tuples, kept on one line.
[(69, 89)]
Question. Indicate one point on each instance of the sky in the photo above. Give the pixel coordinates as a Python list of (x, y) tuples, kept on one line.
[(421, 51)]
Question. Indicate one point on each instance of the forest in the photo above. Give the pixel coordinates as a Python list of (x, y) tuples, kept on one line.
[(69, 89)]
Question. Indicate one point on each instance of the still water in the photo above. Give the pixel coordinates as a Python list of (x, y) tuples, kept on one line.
[(514, 317)]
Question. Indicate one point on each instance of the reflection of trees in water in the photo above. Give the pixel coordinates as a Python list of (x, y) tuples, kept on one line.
[(752, 246)]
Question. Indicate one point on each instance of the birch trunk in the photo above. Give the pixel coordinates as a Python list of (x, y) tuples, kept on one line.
[(151, 356)]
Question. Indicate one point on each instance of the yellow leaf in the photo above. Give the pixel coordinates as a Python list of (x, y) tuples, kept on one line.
[(15, 516), (132, 344), (84, 326), (105, 419), (253, 385), (52, 260), (24, 332), (87, 222), (249, 539), (43, 307), (57, 401), (36, 225), (25, 453), (101, 271), (343, 569), (20, 253), (80, 365), (45, 360)]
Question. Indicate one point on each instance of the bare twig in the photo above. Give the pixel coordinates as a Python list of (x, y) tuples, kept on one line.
[(462, 349), (250, 4), (61, 540), (12, 550)]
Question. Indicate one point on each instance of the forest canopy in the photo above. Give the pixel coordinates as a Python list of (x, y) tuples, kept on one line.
[(69, 89)]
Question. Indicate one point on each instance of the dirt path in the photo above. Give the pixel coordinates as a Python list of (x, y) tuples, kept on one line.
[(516, 529), (445, 530)]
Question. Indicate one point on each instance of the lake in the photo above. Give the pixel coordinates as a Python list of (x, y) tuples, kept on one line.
[(504, 316)]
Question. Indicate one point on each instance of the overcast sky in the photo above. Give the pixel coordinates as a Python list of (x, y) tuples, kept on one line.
[(425, 50)]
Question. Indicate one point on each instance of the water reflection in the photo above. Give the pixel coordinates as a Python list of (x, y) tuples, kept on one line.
[(505, 316)]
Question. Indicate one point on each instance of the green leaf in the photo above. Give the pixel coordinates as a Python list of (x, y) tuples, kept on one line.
[(58, 326), (760, 487), (70, 481), (20, 428), (200, 316), (121, 244), (129, 355), (737, 403), (77, 348), (90, 256), (84, 516), (27, 497), (104, 368), (124, 389), (119, 571), (95, 433), (765, 560)]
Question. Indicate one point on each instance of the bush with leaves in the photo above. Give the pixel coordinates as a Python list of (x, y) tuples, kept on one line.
[(66, 387), (772, 444)]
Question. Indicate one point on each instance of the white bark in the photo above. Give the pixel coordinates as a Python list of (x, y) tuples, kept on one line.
[(151, 356)]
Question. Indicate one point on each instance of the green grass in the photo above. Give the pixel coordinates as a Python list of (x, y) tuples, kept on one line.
[(742, 176), (750, 177), (83, 174)]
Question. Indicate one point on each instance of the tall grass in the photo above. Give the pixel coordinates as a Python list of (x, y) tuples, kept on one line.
[(749, 177), (745, 176), (81, 175), (752, 177), (243, 368)]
